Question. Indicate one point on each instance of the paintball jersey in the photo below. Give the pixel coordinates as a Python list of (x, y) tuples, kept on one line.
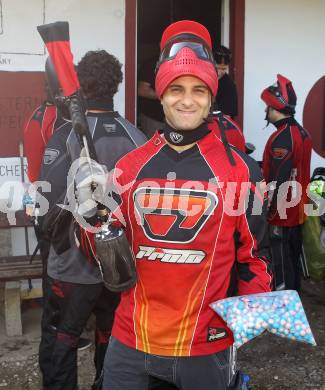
[(113, 137), (286, 159), (38, 130), (191, 248), (233, 132)]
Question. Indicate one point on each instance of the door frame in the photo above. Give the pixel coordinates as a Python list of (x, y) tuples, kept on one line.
[(236, 44)]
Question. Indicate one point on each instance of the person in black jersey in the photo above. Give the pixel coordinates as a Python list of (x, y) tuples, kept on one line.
[(151, 114), (226, 99), (75, 282)]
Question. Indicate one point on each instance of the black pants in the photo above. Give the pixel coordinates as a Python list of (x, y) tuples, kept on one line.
[(286, 248), (67, 308), (44, 248), (126, 368)]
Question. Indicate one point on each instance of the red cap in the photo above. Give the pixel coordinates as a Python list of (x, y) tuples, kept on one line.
[(185, 27)]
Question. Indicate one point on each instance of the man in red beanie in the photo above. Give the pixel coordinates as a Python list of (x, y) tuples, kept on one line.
[(286, 162), (189, 250)]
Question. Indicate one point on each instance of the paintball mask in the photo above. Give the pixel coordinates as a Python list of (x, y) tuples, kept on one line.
[(185, 50)]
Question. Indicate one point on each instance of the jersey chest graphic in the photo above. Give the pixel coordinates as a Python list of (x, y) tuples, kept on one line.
[(173, 214)]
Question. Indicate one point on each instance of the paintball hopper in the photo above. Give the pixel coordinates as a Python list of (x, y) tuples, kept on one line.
[(116, 259), (62, 74), (54, 90), (53, 84)]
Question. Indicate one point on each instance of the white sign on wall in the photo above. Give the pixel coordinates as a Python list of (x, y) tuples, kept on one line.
[(12, 188), (11, 170)]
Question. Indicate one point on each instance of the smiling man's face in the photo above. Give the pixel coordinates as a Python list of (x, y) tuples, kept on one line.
[(186, 103)]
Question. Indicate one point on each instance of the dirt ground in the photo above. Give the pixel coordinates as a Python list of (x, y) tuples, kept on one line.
[(281, 364), (273, 363)]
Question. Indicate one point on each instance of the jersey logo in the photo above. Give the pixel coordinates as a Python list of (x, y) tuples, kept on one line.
[(176, 137), (50, 155), (110, 128), (173, 215), (165, 255), (215, 334), (279, 153)]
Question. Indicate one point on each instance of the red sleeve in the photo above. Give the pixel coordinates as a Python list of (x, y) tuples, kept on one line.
[(37, 132), (33, 143)]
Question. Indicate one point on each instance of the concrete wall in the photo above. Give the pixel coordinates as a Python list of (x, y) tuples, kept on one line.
[(281, 37), (96, 24)]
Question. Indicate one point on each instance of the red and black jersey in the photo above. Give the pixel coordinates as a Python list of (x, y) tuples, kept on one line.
[(287, 159), (233, 132), (38, 130), (188, 245)]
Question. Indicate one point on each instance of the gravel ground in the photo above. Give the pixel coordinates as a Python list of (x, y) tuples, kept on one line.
[(273, 363), (25, 375)]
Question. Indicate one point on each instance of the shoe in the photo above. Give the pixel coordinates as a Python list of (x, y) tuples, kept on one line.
[(83, 343), (98, 384)]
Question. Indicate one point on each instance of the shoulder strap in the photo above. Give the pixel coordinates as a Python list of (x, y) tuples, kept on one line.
[(137, 137)]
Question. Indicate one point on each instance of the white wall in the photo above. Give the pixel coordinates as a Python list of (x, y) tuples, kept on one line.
[(96, 24), (225, 20), (284, 37)]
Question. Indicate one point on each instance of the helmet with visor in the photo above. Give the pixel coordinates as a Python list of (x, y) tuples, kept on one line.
[(186, 51)]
